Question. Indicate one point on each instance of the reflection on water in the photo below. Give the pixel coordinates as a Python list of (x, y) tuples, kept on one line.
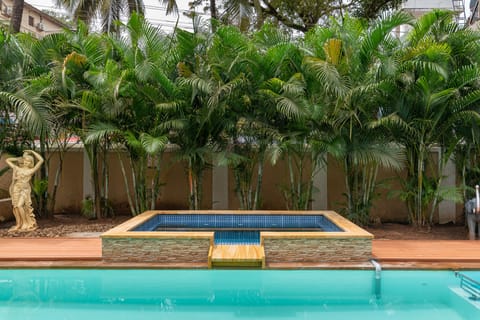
[(224, 294)]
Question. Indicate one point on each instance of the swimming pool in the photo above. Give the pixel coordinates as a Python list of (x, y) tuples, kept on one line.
[(43, 294)]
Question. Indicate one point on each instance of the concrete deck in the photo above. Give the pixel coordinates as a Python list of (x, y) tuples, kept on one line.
[(87, 253)]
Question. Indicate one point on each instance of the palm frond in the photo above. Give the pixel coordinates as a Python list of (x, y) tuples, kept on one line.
[(101, 131), (173, 106), (226, 90), (90, 101), (465, 76), (270, 35), (153, 145), (289, 108), (295, 86), (397, 125), (197, 83), (456, 120), (424, 67), (380, 34), (171, 6), (468, 100), (385, 155), (425, 23), (32, 111), (174, 126), (327, 75)]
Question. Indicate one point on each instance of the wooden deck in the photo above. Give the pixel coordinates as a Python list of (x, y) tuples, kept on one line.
[(87, 252)]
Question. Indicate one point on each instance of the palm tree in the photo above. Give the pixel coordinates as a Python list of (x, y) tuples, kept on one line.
[(109, 10), (41, 109), (33, 114), (11, 60), (17, 13), (347, 63), (131, 86), (253, 110), (87, 54), (287, 108), (194, 121), (436, 95)]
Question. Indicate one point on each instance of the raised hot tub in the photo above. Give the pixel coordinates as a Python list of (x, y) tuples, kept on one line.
[(187, 237)]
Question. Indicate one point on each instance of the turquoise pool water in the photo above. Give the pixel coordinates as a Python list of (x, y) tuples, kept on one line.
[(233, 294)]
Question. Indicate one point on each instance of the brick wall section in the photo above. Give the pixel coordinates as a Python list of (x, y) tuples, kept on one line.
[(155, 250), (317, 250)]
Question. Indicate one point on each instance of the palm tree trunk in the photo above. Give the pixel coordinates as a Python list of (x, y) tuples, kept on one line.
[(56, 181), (96, 183), (43, 197), (127, 186), (105, 178), (156, 183), (259, 181), (259, 12), (17, 13), (292, 196), (213, 14), (419, 206)]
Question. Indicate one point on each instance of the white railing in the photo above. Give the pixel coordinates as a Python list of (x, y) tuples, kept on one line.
[(470, 285)]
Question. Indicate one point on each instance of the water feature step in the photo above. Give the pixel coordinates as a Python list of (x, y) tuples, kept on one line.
[(237, 256)]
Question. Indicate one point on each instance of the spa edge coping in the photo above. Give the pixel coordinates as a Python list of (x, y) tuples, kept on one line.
[(350, 230)]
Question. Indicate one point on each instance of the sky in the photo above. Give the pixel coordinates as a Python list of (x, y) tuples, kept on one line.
[(155, 13)]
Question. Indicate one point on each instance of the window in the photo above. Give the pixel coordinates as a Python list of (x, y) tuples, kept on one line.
[(31, 21)]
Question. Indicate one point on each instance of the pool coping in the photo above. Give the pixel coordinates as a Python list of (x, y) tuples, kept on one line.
[(351, 230)]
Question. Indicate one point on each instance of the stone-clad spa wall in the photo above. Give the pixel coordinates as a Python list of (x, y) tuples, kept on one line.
[(317, 250), (174, 250)]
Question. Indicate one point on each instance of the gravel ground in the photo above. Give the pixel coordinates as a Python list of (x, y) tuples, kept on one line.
[(64, 226), (394, 231)]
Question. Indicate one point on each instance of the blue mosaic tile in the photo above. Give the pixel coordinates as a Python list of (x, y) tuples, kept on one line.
[(328, 225), (237, 221), (237, 237), (274, 221)]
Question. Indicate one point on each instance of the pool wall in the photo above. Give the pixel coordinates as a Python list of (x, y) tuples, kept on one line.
[(122, 244)]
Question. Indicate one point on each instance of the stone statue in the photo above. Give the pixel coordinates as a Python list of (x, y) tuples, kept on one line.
[(20, 189)]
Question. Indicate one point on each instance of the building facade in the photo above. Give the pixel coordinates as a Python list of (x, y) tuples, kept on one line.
[(34, 21), (420, 7)]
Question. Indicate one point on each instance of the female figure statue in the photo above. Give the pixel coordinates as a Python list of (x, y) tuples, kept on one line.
[(20, 189)]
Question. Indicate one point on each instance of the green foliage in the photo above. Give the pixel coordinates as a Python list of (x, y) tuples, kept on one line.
[(437, 97), (88, 208), (347, 89)]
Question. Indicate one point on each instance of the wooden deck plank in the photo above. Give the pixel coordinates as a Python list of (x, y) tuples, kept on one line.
[(87, 252), (237, 256), (426, 250), (50, 249), (234, 253)]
